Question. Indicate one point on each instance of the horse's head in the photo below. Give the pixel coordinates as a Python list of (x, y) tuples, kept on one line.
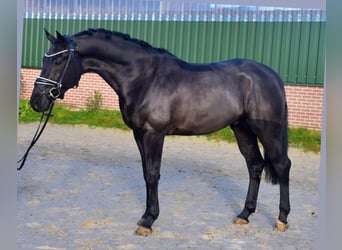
[(61, 71)]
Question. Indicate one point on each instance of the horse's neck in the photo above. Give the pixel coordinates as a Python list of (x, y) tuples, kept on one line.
[(117, 65)]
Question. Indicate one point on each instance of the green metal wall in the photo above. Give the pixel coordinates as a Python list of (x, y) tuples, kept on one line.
[(296, 50)]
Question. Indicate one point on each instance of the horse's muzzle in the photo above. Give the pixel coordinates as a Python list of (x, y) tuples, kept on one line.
[(35, 104), (40, 104)]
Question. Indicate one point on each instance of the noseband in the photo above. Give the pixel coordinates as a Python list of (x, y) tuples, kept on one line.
[(55, 91)]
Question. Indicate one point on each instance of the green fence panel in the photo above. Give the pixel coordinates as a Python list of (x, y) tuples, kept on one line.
[(250, 39), (321, 55), (285, 52), (303, 52), (294, 49)]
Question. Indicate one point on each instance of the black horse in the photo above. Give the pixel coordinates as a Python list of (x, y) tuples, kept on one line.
[(160, 95)]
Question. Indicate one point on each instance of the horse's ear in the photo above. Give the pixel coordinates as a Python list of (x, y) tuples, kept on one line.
[(60, 37), (50, 37)]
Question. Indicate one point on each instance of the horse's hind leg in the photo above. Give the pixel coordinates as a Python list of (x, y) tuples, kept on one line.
[(248, 145), (278, 165), (274, 138)]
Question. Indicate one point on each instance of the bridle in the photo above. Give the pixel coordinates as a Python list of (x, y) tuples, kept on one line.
[(53, 94), (56, 89)]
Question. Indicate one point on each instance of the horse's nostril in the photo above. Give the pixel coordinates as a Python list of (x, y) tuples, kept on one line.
[(35, 104)]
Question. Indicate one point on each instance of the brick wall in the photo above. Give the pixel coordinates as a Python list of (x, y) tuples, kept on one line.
[(305, 106), (74, 98), (304, 103)]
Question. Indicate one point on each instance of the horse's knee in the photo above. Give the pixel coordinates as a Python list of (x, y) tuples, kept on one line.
[(152, 177)]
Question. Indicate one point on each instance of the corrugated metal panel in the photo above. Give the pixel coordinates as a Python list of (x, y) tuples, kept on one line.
[(294, 49), (321, 54), (313, 54), (285, 53)]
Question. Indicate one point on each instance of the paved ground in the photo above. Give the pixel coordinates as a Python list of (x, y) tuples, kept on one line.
[(82, 188)]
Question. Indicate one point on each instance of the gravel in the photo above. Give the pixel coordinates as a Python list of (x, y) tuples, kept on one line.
[(83, 188)]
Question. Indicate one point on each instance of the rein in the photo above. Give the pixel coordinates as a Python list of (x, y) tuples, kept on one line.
[(56, 86), (36, 136)]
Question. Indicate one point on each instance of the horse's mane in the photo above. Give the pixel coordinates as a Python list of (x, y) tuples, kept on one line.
[(108, 34)]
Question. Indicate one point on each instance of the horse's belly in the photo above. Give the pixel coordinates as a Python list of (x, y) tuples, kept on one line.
[(203, 122), (205, 113)]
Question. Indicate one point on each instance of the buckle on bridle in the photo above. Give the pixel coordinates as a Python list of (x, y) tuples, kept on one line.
[(55, 92)]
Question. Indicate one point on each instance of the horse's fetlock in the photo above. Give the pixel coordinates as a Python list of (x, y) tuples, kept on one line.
[(154, 212), (250, 206)]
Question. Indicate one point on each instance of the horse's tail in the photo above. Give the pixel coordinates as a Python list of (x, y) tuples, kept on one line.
[(270, 175)]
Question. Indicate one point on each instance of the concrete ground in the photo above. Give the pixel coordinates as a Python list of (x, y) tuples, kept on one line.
[(83, 188)]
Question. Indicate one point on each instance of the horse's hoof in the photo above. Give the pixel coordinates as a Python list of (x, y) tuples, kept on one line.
[(281, 226), (240, 221), (143, 231)]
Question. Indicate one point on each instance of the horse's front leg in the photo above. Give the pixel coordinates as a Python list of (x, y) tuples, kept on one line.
[(150, 145)]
